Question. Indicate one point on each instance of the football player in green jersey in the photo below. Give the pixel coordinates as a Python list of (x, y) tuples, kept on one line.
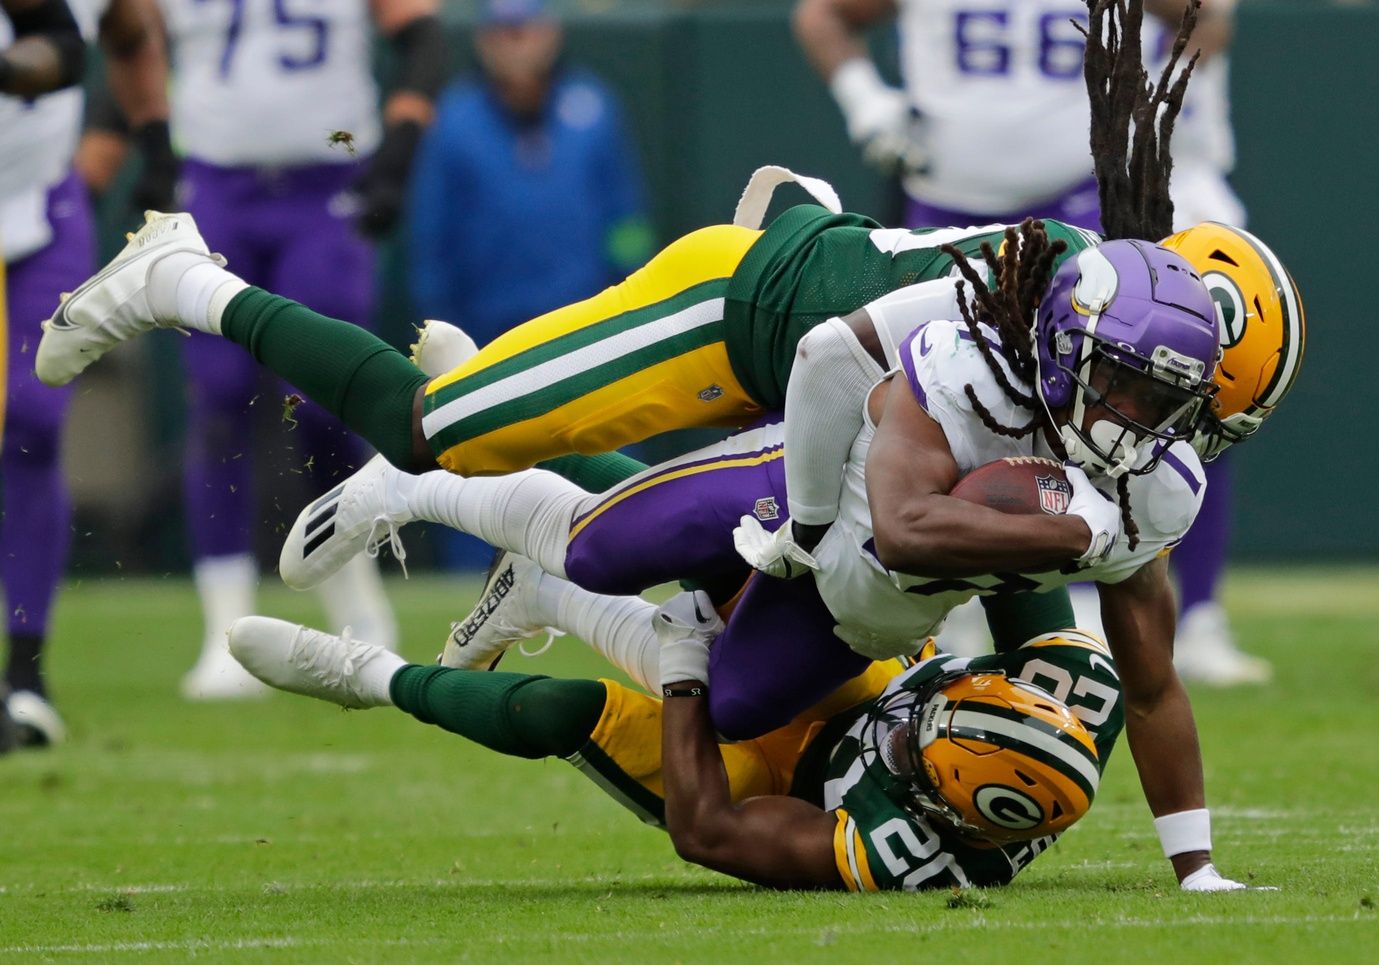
[(948, 772)]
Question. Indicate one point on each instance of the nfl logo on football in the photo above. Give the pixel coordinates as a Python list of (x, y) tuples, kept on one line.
[(1054, 494)]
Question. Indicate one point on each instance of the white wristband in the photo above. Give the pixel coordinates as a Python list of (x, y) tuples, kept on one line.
[(1184, 831), (856, 83)]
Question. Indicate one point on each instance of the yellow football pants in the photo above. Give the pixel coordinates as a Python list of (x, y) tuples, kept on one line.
[(624, 752), (639, 358)]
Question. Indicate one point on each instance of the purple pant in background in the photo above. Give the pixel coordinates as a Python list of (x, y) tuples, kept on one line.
[(778, 655), (1078, 206), (288, 231), (36, 533), (1200, 559)]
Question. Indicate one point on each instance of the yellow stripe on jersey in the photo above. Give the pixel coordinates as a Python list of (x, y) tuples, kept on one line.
[(755, 459), (1070, 638), (850, 854)]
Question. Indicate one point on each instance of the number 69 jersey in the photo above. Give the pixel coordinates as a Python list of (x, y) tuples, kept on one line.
[(879, 844), (999, 88), (266, 82)]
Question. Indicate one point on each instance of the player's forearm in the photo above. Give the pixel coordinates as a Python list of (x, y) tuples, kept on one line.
[(829, 39), (699, 808), (48, 52), (137, 72), (828, 387), (942, 537)]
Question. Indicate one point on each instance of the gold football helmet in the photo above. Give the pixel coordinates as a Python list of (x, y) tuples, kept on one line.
[(999, 759), (1263, 329)]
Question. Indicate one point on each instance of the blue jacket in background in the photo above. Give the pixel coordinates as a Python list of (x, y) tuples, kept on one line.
[(509, 219)]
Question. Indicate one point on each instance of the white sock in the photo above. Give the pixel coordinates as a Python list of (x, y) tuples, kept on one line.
[(527, 512), (191, 290), (226, 585), (619, 627), (376, 676), (353, 597)]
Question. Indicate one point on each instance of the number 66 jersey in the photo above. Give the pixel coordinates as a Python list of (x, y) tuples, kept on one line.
[(266, 82), (998, 86)]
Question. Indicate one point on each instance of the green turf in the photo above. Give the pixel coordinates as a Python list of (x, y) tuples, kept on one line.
[(287, 830)]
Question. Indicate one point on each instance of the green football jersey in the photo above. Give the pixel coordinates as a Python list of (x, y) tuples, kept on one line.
[(811, 265), (841, 770)]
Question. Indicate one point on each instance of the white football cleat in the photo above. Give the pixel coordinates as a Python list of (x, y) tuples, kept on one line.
[(113, 305), (362, 513), (37, 723), (1204, 651), (441, 346), (301, 660), (501, 618), (217, 676)]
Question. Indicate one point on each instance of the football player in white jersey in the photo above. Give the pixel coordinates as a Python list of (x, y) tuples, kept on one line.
[(993, 120), (287, 168), (49, 247)]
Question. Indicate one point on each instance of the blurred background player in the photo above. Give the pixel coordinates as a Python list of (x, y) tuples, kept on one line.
[(287, 167), (49, 247), (528, 141), (992, 126)]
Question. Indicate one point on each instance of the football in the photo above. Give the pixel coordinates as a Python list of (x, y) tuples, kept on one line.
[(1019, 485)]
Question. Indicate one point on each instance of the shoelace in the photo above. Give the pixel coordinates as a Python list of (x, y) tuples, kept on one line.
[(309, 655), (523, 634), (390, 536)]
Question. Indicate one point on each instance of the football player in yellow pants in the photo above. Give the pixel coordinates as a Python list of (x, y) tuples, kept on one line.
[(642, 357)]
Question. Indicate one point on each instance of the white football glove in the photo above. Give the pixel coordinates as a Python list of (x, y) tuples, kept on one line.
[(880, 119), (775, 554), (685, 626), (1100, 512), (1207, 878)]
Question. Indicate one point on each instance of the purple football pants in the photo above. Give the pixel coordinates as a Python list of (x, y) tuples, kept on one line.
[(1078, 206), (778, 655), (288, 231), (36, 532)]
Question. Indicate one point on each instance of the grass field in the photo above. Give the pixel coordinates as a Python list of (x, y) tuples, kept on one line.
[(288, 830)]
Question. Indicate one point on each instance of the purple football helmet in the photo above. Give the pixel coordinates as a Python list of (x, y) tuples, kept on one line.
[(1129, 328)]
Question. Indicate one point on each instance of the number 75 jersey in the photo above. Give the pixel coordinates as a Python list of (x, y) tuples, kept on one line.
[(266, 82), (999, 86)]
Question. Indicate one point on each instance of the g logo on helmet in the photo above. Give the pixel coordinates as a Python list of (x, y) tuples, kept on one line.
[(1230, 306), (1006, 807)]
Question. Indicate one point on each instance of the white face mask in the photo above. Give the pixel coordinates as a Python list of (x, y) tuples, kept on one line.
[(1113, 452)]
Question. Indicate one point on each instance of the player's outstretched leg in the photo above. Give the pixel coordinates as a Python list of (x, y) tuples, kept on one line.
[(515, 714), (298, 659), (166, 278), (115, 304)]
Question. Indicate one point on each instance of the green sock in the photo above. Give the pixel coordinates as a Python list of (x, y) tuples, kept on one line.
[(352, 373), (1019, 617), (594, 474), (511, 713)]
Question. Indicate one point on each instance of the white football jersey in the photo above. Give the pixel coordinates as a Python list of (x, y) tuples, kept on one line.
[(999, 85), (883, 613), (37, 141), (266, 82)]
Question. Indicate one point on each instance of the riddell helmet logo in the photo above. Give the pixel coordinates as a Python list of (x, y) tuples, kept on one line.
[(766, 508), (1054, 494)]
